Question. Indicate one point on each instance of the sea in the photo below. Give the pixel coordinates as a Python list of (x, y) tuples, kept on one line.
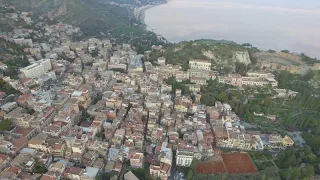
[(292, 25)]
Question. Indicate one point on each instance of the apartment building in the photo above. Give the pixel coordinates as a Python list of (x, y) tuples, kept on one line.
[(37, 69), (9, 106), (254, 79), (184, 157), (136, 160), (19, 117), (200, 64)]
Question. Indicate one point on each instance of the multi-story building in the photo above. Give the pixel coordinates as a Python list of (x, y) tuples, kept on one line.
[(255, 79), (9, 106), (4, 161), (37, 69), (184, 158), (19, 117), (182, 104), (200, 64), (136, 160), (162, 171)]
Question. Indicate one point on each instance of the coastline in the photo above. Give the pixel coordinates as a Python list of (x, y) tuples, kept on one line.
[(140, 15)]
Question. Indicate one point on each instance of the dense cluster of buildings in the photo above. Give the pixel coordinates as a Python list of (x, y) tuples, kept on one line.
[(104, 110)]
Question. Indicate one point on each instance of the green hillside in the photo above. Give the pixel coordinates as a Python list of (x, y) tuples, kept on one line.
[(12, 55), (221, 53), (91, 16)]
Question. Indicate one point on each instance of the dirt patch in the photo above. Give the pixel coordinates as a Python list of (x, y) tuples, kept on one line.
[(238, 163), (210, 168)]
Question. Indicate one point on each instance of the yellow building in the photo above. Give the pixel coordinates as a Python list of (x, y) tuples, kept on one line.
[(180, 108), (287, 141)]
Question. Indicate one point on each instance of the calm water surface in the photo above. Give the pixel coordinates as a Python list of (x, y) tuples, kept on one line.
[(267, 24)]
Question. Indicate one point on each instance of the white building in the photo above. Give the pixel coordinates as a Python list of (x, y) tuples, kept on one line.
[(200, 64), (3, 66), (9, 106), (260, 74), (22, 41), (184, 158), (162, 60), (37, 69)]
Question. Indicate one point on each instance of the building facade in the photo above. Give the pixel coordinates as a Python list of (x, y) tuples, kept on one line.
[(37, 69), (200, 64)]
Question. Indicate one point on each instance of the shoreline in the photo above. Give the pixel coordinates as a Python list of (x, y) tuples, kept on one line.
[(141, 17), (141, 12)]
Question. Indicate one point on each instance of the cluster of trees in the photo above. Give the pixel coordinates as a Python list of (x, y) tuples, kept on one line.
[(271, 51), (302, 121), (307, 59), (295, 82), (191, 170), (97, 98), (39, 168), (7, 88), (142, 173), (308, 101), (241, 68), (215, 91), (297, 173), (6, 125), (285, 51), (178, 85), (257, 106), (296, 163), (313, 141), (13, 56), (100, 136)]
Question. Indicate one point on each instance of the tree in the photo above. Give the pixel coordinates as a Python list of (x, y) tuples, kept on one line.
[(101, 176), (267, 101), (311, 158), (39, 168), (190, 174), (296, 173), (222, 96), (7, 88), (226, 70), (285, 173), (271, 51), (307, 172), (207, 99), (185, 66), (192, 169), (246, 44), (308, 76), (141, 173), (6, 125), (241, 68), (285, 51)]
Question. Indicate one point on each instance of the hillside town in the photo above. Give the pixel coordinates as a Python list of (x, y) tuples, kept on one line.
[(93, 109)]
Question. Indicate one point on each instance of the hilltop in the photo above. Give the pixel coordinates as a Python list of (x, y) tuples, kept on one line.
[(223, 54)]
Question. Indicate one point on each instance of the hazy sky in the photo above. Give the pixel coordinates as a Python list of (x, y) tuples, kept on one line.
[(268, 24)]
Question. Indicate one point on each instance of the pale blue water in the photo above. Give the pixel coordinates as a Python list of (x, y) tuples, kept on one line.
[(267, 24)]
